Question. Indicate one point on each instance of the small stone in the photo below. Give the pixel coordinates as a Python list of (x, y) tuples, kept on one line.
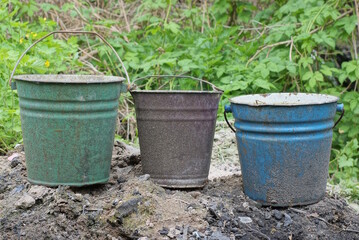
[(322, 225), (122, 164), (115, 202), (78, 197), (128, 207), (287, 220), (136, 192), (213, 212), (144, 177), (195, 194), (260, 223), (13, 156), (121, 179), (267, 216), (17, 189), (245, 220), (217, 235), (143, 238), (14, 162), (277, 215), (38, 192), (279, 224), (196, 235), (164, 231), (173, 232), (208, 232), (19, 147), (25, 202), (190, 230)]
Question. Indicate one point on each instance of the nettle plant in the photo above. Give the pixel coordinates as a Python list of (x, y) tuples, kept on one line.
[(19, 29)]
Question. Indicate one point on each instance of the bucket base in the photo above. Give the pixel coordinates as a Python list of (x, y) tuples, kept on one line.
[(80, 184), (283, 205), (181, 183)]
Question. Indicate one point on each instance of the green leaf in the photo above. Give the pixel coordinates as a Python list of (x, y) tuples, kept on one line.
[(262, 84), (292, 69), (343, 161), (350, 67), (353, 104), (326, 70), (305, 61), (264, 72), (342, 77), (307, 75), (350, 24), (330, 42), (312, 82), (220, 71), (242, 85), (272, 67), (318, 76), (173, 27)]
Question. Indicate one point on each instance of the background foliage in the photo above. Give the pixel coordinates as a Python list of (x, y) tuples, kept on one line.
[(241, 46)]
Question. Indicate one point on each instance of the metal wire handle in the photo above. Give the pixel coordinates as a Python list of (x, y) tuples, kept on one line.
[(229, 125), (340, 118), (180, 76), (70, 32)]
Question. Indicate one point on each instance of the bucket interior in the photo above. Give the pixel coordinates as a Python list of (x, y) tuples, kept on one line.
[(283, 99), (63, 78)]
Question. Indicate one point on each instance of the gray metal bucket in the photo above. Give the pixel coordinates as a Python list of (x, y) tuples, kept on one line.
[(176, 130)]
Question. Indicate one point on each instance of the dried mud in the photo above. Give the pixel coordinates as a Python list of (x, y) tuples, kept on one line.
[(130, 206)]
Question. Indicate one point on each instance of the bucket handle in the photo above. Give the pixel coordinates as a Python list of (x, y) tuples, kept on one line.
[(340, 108), (70, 32), (178, 76), (227, 109)]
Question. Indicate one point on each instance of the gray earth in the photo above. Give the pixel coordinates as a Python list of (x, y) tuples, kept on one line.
[(131, 206)]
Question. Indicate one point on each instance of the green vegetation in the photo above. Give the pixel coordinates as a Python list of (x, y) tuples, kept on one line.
[(277, 46)]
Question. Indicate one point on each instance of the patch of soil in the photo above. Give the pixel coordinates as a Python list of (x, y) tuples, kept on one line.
[(131, 206)]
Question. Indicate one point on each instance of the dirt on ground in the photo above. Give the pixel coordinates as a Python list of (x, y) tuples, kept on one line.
[(131, 206)]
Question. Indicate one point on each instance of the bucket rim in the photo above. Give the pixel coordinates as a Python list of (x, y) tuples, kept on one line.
[(283, 99), (68, 78), (175, 91)]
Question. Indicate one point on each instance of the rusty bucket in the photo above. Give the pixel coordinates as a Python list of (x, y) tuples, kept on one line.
[(68, 124), (176, 130)]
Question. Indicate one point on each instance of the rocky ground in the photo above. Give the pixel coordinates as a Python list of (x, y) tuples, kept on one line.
[(130, 206)]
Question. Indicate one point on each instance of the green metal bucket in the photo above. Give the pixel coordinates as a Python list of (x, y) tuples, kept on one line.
[(68, 124)]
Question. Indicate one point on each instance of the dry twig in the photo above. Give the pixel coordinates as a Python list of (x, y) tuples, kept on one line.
[(265, 47), (125, 15)]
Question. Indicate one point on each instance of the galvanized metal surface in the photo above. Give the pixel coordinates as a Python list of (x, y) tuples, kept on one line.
[(284, 149), (68, 129), (176, 131)]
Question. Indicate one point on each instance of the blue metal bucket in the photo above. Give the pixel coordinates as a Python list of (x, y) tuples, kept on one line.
[(284, 142)]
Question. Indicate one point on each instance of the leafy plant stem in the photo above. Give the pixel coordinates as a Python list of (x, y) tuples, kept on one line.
[(168, 10)]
